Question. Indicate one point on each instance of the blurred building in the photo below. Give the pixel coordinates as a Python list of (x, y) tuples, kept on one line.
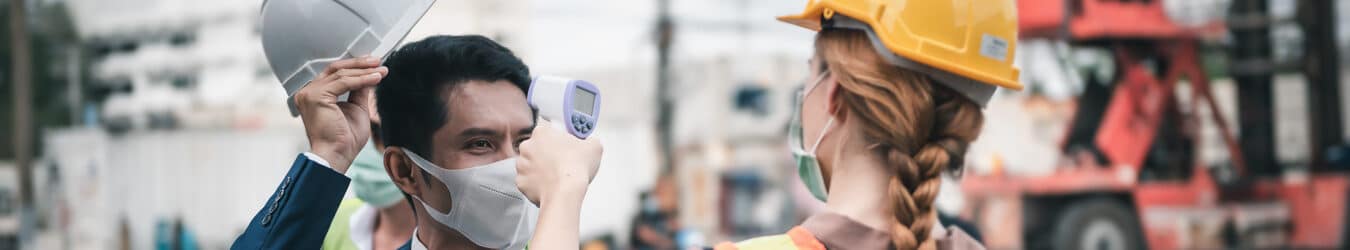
[(730, 125), (161, 64), (165, 64), (731, 137), (169, 83)]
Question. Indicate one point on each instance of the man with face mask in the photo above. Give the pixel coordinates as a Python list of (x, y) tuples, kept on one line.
[(453, 113)]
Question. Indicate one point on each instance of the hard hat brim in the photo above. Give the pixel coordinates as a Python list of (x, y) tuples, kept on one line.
[(801, 21)]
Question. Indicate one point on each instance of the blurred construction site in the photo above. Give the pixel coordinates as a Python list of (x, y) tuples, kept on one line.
[(1145, 124)]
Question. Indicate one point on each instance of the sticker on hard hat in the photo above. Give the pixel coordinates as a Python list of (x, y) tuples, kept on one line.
[(570, 105), (994, 47)]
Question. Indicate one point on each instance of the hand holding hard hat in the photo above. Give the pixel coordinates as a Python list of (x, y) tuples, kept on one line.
[(313, 47), (338, 129)]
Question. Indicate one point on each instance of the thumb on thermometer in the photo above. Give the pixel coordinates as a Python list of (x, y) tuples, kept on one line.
[(553, 160), (561, 127)]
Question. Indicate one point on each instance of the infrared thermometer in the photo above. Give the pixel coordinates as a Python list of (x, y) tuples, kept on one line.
[(570, 105)]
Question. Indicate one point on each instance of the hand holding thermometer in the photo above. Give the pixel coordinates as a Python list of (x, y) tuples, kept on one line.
[(570, 105)]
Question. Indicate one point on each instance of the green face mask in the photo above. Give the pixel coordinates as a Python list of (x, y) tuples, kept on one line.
[(369, 180), (808, 166)]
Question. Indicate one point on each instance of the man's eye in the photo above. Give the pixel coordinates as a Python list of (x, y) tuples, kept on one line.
[(480, 144), (518, 142)]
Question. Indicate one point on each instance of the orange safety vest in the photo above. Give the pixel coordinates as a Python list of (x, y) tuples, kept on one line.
[(796, 239)]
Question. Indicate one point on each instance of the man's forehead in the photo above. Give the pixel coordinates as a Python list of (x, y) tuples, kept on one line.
[(487, 104)]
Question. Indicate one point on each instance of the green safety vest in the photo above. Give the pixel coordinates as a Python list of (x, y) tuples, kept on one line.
[(796, 239), (339, 235)]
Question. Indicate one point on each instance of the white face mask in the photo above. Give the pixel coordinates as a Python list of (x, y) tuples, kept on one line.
[(488, 207)]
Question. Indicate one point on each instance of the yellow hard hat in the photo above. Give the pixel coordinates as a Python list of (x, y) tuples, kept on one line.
[(967, 45)]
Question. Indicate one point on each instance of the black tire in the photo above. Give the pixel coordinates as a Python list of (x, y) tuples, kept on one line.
[(1097, 224)]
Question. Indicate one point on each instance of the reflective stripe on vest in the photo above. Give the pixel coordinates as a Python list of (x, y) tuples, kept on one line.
[(797, 238)]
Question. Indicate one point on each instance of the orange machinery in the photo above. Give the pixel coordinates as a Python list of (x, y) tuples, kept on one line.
[(1146, 188)]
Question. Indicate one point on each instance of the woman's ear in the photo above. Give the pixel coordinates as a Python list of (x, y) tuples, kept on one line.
[(401, 170), (836, 106)]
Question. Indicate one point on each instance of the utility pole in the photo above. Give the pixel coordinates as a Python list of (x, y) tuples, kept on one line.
[(665, 109), (1253, 71), (1321, 68), (21, 77), (74, 89)]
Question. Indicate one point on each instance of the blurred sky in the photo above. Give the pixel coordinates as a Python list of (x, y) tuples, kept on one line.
[(569, 35), (614, 32)]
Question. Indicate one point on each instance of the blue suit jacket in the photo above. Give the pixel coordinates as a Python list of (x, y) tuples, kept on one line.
[(298, 214)]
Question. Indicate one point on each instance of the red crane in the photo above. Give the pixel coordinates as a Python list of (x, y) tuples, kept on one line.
[(1145, 187)]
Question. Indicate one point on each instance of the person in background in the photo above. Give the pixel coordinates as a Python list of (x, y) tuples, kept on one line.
[(379, 217), (123, 233), (173, 235), (657, 224)]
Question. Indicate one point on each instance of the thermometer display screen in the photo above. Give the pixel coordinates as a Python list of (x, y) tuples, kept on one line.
[(584, 101)]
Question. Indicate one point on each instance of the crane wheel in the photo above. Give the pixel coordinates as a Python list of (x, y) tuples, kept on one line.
[(1097, 224)]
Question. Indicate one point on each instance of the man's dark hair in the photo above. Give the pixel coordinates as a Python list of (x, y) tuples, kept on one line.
[(411, 104)]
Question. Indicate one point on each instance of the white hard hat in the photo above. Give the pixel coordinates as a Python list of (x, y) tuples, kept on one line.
[(301, 37)]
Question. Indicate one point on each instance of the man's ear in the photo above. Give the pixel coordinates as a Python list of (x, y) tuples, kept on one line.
[(402, 171)]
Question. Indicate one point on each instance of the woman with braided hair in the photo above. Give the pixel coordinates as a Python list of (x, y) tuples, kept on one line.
[(883, 136), (896, 99)]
